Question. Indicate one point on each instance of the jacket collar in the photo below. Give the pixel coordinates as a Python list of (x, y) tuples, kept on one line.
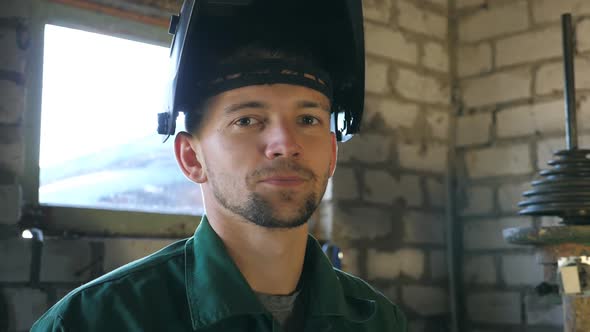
[(217, 290)]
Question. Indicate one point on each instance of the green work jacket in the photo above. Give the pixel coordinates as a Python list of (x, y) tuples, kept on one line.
[(193, 285)]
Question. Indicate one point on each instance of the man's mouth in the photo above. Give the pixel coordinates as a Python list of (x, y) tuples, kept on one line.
[(285, 181)]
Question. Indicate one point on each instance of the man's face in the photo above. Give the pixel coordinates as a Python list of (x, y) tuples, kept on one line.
[(267, 153)]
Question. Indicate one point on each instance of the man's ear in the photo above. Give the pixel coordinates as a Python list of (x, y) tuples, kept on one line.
[(186, 149), (334, 154)]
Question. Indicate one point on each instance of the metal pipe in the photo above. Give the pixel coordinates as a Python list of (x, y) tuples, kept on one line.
[(36, 255), (571, 129), (454, 231)]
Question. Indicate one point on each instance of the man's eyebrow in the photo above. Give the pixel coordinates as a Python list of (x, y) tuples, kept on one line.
[(248, 104), (312, 104)]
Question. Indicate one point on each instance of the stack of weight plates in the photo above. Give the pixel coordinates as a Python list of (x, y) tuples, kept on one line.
[(563, 191)]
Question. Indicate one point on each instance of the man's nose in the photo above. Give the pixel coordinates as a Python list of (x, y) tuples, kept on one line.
[(282, 142)]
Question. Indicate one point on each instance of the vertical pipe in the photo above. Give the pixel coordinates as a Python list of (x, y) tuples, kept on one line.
[(454, 231), (36, 255), (569, 80)]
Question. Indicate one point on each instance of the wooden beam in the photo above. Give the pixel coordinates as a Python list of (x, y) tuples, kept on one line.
[(108, 10)]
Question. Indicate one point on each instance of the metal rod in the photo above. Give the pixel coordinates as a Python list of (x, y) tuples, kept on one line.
[(571, 129)]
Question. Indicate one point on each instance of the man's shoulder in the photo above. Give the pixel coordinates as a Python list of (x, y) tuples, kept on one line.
[(354, 286), (127, 283), (386, 311), (144, 268)]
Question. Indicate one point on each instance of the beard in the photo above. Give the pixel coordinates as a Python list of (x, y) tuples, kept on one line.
[(259, 210)]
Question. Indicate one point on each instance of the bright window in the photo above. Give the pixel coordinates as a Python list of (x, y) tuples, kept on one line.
[(99, 146)]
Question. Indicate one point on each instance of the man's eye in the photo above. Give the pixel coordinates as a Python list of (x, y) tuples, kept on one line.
[(246, 121), (309, 120)]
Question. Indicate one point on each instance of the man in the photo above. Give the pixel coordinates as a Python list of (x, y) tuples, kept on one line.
[(260, 108)]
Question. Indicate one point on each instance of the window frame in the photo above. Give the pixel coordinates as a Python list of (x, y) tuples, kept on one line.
[(74, 221)]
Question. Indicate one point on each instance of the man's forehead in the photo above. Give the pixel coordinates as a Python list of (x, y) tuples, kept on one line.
[(270, 95)]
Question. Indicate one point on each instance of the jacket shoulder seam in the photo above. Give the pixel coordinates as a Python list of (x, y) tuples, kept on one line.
[(129, 273)]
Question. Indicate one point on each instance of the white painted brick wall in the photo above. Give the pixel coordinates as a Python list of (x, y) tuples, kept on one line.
[(530, 46), (498, 161), (474, 59), (361, 223), (12, 157), (497, 87), (583, 116), (469, 3), (436, 192), (436, 57), (521, 270), (25, 306), (432, 158), (494, 307), (381, 187), (377, 10), (10, 204), (322, 225), (385, 42), (376, 73), (12, 98), (62, 259), (495, 21), (440, 3), (473, 129), (479, 200), (367, 148), (390, 265), (119, 252), (479, 269), (438, 265), (416, 325), (479, 235), (421, 88), (549, 77), (421, 20), (394, 113), (543, 310), (551, 10), (538, 118), (510, 194), (15, 258), (438, 122), (12, 57), (426, 300), (345, 185), (422, 228), (582, 33)]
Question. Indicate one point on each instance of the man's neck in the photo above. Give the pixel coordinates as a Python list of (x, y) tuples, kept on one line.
[(271, 260)]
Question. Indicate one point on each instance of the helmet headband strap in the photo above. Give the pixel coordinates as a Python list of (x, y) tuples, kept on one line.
[(227, 77)]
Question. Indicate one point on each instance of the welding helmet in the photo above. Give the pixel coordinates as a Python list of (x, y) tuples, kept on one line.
[(330, 30)]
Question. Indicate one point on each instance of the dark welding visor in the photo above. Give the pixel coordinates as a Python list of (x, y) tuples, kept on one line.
[(331, 31)]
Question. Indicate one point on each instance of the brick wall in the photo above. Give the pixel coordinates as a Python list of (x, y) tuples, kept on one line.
[(65, 264), (511, 118), (388, 195), (388, 191)]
